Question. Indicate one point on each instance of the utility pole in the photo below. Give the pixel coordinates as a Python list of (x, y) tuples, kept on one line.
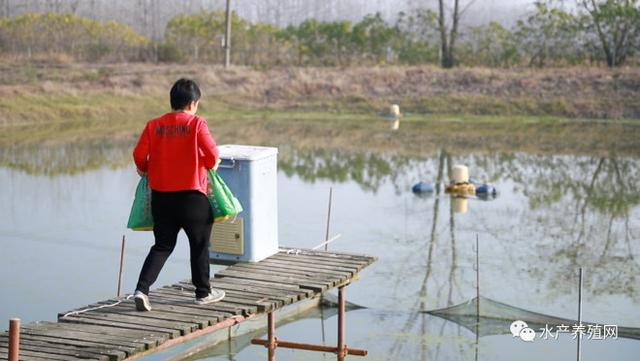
[(227, 37)]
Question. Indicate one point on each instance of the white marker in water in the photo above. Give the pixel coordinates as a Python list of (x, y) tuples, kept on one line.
[(517, 326)]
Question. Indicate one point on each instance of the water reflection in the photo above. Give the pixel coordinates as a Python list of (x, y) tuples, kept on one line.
[(66, 158), (368, 169), (555, 213)]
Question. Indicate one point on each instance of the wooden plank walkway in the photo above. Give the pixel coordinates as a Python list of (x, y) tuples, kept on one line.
[(120, 332)]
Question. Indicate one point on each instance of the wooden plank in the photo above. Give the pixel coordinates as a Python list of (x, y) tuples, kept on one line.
[(57, 339), (250, 298), (296, 295), (308, 267), (247, 307), (77, 319), (182, 310), (44, 347), (233, 308), (150, 340), (296, 270), (275, 279), (292, 261), (156, 314), (328, 254), (106, 349), (44, 354), (321, 284), (126, 343), (328, 257), (312, 285), (284, 296), (281, 297), (132, 335), (300, 276), (80, 351), (265, 284), (321, 260), (311, 264), (277, 301), (160, 297), (283, 286), (4, 356), (180, 291), (310, 261), (40, 355), (183, 327)]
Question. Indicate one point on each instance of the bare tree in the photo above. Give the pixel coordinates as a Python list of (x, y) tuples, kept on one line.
[(5, 8), (73, 6), (449, 32)]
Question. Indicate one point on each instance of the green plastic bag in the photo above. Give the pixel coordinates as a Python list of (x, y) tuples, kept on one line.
[(223, 203), (140, 218)]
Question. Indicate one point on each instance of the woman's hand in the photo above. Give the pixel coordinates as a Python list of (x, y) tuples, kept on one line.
[(141, 173), (215, 167)]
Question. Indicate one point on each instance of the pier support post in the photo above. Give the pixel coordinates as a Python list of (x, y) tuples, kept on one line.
[(342, 352), (14, 339), (271, 337)]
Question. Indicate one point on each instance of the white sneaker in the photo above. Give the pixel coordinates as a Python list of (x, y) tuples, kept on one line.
[(213, 296), (142, 301)]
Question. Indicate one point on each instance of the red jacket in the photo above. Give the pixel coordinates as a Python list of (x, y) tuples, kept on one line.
[(175, 151)]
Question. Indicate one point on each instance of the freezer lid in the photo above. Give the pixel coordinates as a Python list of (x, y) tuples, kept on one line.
[(246, 152)]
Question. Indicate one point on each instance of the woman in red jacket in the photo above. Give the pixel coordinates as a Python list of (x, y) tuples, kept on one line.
[(175, 151)]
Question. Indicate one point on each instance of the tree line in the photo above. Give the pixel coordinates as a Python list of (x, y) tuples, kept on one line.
[(591, 32)]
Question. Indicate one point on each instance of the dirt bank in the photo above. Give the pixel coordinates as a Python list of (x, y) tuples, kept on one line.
[(567, 92)]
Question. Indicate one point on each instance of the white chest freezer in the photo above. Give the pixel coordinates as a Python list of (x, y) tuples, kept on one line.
[(251, 173)]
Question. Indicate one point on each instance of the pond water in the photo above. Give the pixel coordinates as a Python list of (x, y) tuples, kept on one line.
[(65, 210)]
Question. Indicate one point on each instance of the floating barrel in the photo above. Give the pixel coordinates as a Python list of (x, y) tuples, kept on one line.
[(422, 187), (461, 188), (460, 174), (394, 111)]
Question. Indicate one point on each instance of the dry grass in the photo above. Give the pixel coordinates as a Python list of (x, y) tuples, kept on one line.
[(568, 92)]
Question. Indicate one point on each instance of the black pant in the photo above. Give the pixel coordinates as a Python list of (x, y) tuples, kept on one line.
[(189, 210)]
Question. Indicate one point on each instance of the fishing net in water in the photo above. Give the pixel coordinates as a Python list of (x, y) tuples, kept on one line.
[(495, 318)]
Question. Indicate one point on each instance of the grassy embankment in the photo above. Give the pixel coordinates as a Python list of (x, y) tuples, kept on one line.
[(557, 110)]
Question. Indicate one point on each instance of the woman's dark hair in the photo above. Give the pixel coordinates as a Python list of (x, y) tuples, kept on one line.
[(183, 92)]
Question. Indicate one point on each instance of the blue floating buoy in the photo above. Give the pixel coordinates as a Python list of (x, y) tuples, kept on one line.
[(486, 189), (422, 187)]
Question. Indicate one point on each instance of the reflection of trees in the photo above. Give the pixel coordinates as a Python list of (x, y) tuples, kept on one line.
[(580, 208), (66, 158), (368, 169), (580, 214), (580, 211), (397, 350)]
